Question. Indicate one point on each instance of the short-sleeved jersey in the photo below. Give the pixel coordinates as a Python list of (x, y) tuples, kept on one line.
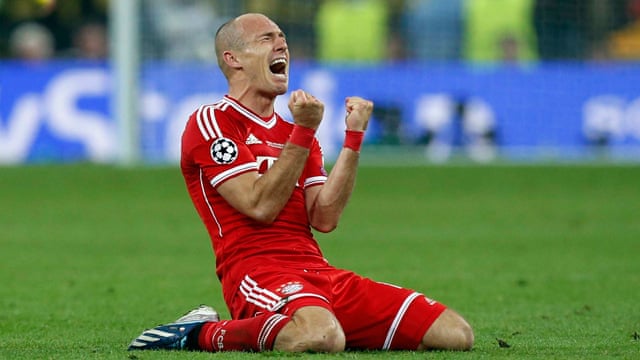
[(224, 140)]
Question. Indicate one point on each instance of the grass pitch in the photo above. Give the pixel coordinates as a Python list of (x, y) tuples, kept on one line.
[(543, 261)]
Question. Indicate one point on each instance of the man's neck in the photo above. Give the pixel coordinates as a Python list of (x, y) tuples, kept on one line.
[(260, 104)]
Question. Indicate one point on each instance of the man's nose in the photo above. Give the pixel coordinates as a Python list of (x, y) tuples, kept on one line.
[(281, 44)]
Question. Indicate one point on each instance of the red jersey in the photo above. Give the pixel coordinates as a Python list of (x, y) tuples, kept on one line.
[(224, 140)]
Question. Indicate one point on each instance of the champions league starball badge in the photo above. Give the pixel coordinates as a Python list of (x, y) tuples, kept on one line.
[(224, 151)]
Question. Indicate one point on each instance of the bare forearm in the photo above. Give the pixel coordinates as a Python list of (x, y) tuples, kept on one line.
[(263, 197), (329, 202), (273, 189), (335, 193)]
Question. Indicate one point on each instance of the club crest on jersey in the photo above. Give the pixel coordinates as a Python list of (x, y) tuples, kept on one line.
[(290, 287), (224, 151)]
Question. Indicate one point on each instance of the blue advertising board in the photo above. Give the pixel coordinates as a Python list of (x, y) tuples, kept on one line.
[(61, 111)]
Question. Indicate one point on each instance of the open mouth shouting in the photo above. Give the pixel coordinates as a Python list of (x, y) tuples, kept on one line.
[(278, 67)]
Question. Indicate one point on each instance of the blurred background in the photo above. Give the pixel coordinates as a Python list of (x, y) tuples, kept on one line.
[(113, 81)]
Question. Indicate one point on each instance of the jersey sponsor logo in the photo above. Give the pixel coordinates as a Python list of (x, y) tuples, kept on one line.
[(252, 140), (291, 287), (275, 145), (224, 151)]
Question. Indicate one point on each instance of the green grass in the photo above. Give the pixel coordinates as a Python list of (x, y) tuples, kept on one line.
[(545, 258)]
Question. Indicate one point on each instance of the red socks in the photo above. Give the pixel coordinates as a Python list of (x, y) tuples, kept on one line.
[(253, 334)]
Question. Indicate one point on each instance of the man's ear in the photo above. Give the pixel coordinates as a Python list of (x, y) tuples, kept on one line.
[(231, 60)]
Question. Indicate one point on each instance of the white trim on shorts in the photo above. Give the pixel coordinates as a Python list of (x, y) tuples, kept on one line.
[(266, 299), (396, 321)]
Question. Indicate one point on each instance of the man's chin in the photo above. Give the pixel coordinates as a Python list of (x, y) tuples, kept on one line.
[(276, 91), (282, 89), (280, 84)]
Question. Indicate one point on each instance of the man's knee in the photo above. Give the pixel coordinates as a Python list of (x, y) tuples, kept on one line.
[(449, 332), (463, 338), (311, 329), (321, 339)]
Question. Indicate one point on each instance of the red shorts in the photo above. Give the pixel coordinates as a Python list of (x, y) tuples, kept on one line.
[(373, 315)]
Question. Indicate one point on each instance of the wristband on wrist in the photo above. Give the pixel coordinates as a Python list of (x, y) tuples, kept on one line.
[(353, 140), (302, 136)]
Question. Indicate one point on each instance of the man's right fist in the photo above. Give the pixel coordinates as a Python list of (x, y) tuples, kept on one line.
[(306, 110)]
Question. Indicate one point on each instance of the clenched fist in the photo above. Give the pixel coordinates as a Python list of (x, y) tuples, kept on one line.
[(306, 110), (358, 113)]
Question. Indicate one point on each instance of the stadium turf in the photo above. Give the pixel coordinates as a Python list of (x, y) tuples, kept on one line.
[(544, 261)]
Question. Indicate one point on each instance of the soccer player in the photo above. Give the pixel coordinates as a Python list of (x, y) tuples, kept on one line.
[(259, 185)]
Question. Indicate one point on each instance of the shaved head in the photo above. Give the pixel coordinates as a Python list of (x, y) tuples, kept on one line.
[(253, 56), (231, 36)]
